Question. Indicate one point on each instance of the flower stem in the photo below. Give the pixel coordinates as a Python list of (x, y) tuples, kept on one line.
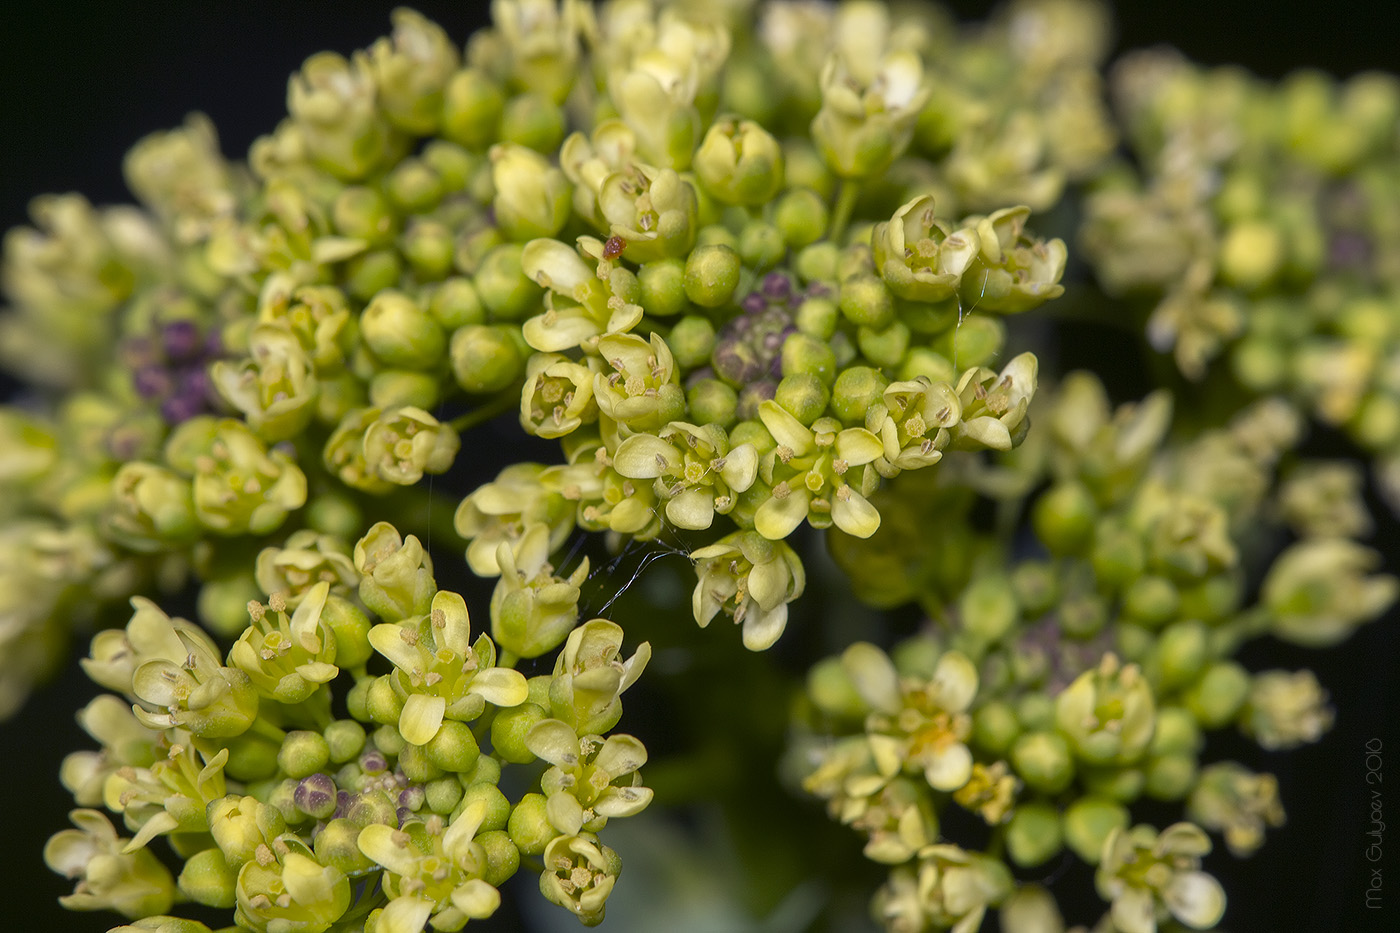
[(503, 402), (845, 203)]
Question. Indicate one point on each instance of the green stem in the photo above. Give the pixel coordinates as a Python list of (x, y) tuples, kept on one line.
[(267, 730), (507, 658), (845, 203), (500, 404)]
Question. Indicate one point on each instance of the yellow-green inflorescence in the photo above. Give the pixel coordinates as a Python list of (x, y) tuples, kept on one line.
[(754, 268)]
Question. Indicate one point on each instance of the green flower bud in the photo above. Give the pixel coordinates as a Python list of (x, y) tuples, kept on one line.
[(1036, 711), (692, 341), (454, 747), (804, 396), (1087, 824), (388, 739), (337, 846), (761, 246), (1031, 909), (529, 827), (472, 104), (1151, 600), (533, 121), (485, 795), (397, 388), (363, 213), (806, 355), (532, 197), (443, 795), (884, 347), (995, 727), (208, 879), (454, 303), (505, 290), (414, 187), (1170, 777), (662, 287), (866, 301), (502, 857), (868, 114), (711, 276), (1121, 784), (410, 69), (417, 766), (396, 573), (712, 402), (345, 739), (1063, 518), (487, 358), (400, 333), (739, 162), (1033, 836), (801, 216), (817, 318), (857, 388), (509, 729), (430, 248), (1216, 697), (303, 753), (1042, 760)]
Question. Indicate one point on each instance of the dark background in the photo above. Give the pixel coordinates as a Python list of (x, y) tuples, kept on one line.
[(81, 82)]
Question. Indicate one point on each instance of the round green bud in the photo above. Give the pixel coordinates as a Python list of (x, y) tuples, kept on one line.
[(884, 347), (819, 262), (866, 302), (502, 857), (716, 234), (995, 727), (443, 795), (1170, 777), (533, 120), (453, 164), (251, 757), (975, 340), (1180, 653), (486, 771), (345, 738), (1121, 784), (801, 216), (1083, 615), (350, 626), (921, 361), (804, 396), (1215, 597), (761, 246), (692, 341), (832, 691), (529, 826), (1151, 600), (817, 318), (1215, 699), (1043, 761), (1118, 555), (472, 105), (988, 608), (382, 704), (1260, 363), (389, 740), (391, 388), (454, 748), (509, 729), (806, 355), (281, 796), (488, 357), (1036, 586), (357, 699), (1176, 732), (223, 604), (1087, 823), (417, 765), (1033, 834), (1251, 254), (401, 334), (505, 290), (662, 284), (855, 390), (208, 879), (711, 275), (1035, 711), (368, 274), (430, 248), (413, 186), (712, 402), (454, 303), (1063, 518), (337, 846), (1134, 642), (497, 806), (364, 214), (303, 753)]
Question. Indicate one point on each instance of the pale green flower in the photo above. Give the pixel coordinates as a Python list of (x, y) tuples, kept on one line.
[(240, 487), (642, 391), (697, 473), (653, 210), (285, 888), (1286, 709), (1231, 799), (588, 295), (125, 743), (540, 39), (919, 256), (332, 102), (588, 160), (592, 779), (170, 796), (440, 673), (1148, 875), (739, 162), (433, 871), (948, 888), (866, 123), (1318, 591), (109, 877), (807, 473), (152, 509), (403, 443), (579, 874), (532, 198), (274, 387), (305, 559), (288, 658), (590, 677), (181, 176), (410, 69), (557, 397), (532, 609), (502, 510), (753, 579), (1108, 713)]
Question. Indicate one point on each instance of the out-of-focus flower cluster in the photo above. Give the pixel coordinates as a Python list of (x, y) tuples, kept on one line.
[(751, 265)]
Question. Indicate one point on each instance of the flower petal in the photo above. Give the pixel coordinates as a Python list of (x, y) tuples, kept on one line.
[(421, 718), (1195, 898), (777, 518), (500, 685), (555, 742)]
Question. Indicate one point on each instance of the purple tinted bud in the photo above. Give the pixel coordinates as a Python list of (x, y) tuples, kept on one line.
[(181, 339), (777, 286), (413, 796), (125, 442), (151, 382), (373, 762), (194, 382), (736, 363), (754, 394), (343, 800), (181, 409), (316, 796), (753, 303), (773, 342), (817, 290), (404, 814), (138, 352), (213, 345), (698, 375)]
